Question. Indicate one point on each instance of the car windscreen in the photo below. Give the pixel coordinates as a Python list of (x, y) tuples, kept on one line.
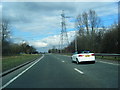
[(83, 52)]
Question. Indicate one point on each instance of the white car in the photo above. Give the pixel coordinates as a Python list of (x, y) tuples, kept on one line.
[(83, 56)]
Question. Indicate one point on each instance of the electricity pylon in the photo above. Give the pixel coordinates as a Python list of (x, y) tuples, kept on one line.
[(63, 37)]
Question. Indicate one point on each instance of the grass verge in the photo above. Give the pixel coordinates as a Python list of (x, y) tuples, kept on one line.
[(9, 62)]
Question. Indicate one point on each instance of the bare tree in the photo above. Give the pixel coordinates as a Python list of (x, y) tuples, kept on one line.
[(79, 25), (88, 20), (85, 21), (88, 23), (99, 39), (5, 29), (94, 20), (5, 33)]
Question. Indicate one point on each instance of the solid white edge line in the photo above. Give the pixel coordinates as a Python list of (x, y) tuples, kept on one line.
[(78, 71), (107, 62), (21, 73)]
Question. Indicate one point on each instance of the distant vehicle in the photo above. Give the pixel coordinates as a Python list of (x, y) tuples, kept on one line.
[(83, 56)]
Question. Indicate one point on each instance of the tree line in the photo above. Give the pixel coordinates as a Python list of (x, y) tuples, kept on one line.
[(92, 35), (10, 48)]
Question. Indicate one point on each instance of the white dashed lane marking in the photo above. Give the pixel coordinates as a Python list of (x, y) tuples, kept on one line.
[(78, 71)]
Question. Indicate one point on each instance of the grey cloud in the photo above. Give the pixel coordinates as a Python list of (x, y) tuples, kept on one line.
[(49, 6), (36, 7), (27, 12)]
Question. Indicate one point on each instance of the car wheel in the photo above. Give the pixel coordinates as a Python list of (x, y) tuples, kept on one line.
[(77, 61)]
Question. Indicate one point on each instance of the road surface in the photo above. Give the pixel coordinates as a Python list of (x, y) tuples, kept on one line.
[(57, 71)]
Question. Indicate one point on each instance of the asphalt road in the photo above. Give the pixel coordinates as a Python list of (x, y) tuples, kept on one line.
[(57, 71)]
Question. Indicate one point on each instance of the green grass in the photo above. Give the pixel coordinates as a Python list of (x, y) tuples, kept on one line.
[(109, 58), (9, 62)]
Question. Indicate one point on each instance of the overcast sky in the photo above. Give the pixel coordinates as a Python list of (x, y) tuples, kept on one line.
[(39, 23)]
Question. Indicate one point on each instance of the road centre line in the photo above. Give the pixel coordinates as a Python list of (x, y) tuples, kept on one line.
[(59, 59), (21, 73), (78, 71)]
